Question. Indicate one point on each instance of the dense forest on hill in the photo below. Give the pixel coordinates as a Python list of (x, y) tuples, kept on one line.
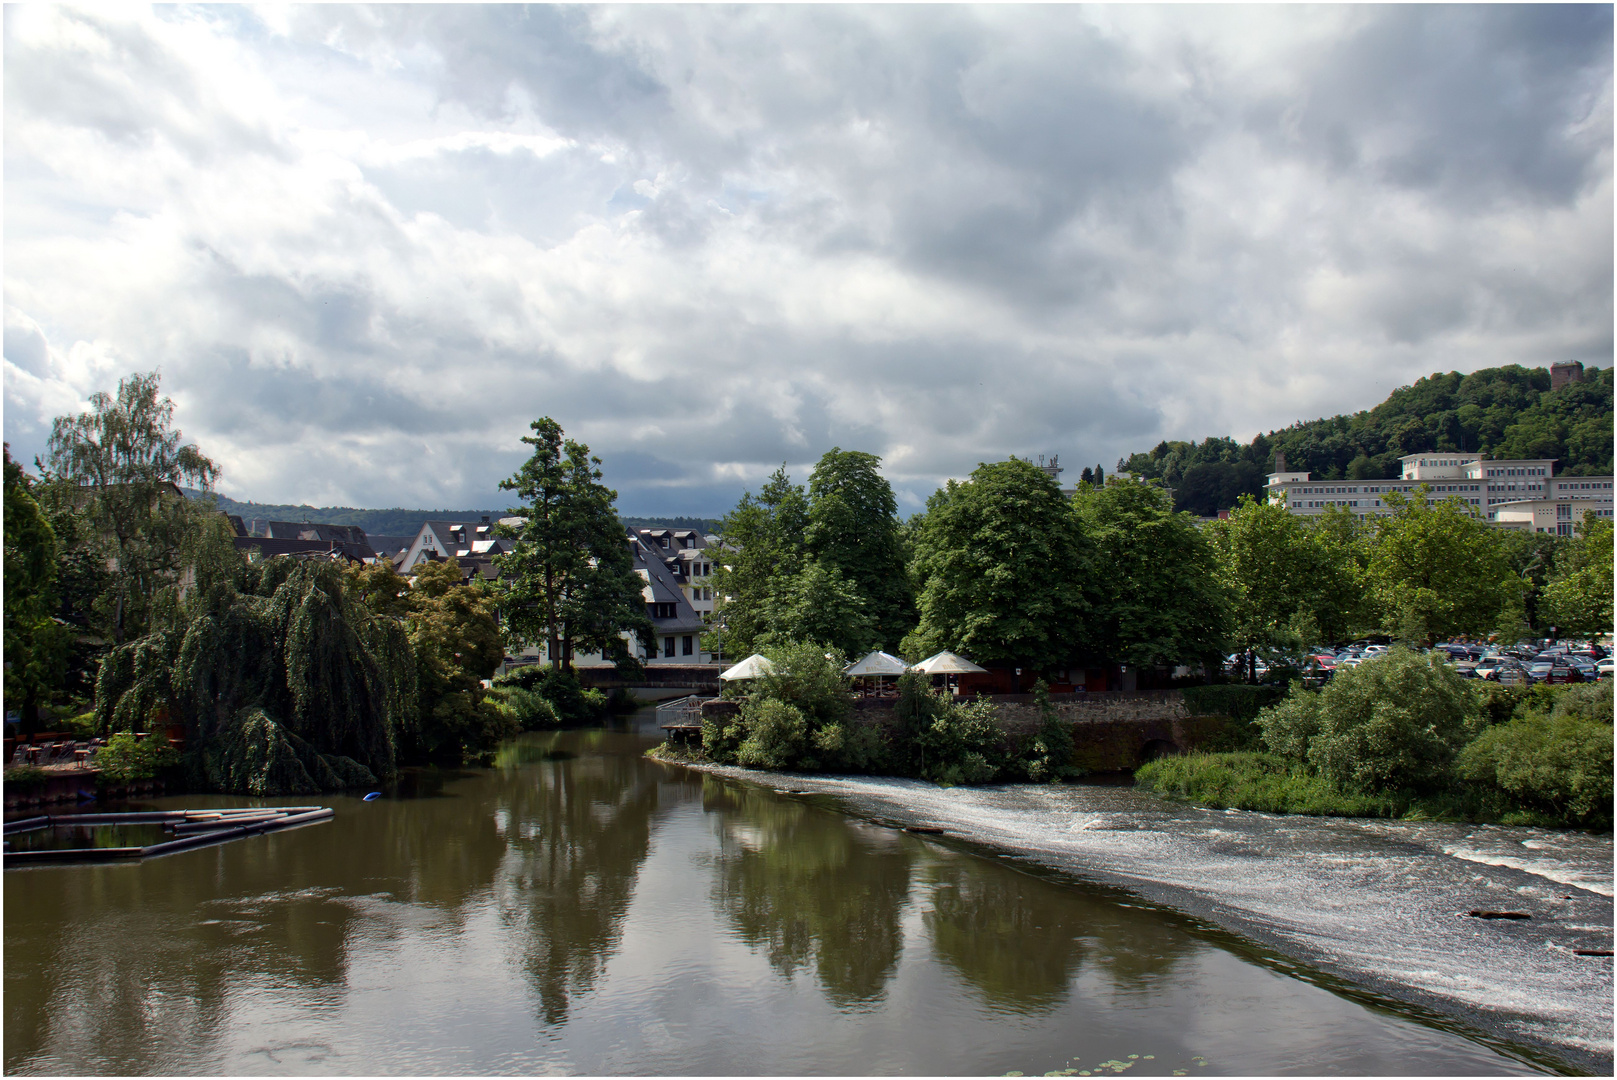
[(400, 522), (1505, 412)]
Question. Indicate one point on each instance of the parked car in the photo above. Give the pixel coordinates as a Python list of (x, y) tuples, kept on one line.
[(1603, 668), (1508, 672)]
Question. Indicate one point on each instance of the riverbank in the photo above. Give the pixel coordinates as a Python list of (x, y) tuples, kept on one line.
[(1380, 904)]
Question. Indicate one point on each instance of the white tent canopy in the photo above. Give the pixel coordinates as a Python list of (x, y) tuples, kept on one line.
[(947, 663), (751, 668), (877, 663)]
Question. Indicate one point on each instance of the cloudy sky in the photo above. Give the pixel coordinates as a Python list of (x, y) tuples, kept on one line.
[(367, 246)]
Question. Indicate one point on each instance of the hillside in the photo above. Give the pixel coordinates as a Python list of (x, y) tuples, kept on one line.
[(1505, 412), (401, 522)]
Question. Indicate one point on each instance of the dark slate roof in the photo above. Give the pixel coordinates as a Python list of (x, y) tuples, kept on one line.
[(268, 546), (313, 530)]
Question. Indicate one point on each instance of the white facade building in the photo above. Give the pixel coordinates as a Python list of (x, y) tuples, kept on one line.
[(1511, 494)]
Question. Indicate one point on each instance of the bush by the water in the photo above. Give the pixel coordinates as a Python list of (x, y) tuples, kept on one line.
[(799, 717), (1402, 737), (127, 760), (1558, 765), (569, 701), (1392, 723), (527, 707), (1248, 781)]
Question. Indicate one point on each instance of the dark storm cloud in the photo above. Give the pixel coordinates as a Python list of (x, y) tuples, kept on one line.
[(1473, 103)]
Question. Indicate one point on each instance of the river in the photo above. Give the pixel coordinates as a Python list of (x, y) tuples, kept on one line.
[(581, 909)]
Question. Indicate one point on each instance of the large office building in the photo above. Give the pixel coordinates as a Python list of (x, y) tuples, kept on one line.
[(1523, 495)]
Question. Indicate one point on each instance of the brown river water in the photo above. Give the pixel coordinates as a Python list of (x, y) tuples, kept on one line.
[(580, 909)]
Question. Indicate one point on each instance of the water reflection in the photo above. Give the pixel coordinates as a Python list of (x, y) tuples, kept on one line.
[(576, 833), (1020, 940), (810, 889)]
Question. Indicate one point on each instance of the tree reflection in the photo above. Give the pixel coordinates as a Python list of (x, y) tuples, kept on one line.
[(809, 889), (577, 833), (1020, 940)]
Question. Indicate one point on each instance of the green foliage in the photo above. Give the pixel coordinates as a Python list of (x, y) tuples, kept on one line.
[(1046, 755), (293, 648), (1393, 723), (1507, 412), (119, 465), (570, 581), (1437, 571), (526, 708), (807, 678), (126, 760), (1558, 765), (1290, 726), (25, 778), (776, 735), (999, 565), (1582, 701), (572, 704), (36, 645), (251, 753), (456, 641), (853, 531), (1232, 700), (821, 605), (1288, 578), (1577, 599), (1156, 597), (763, 552), (1263, 782)]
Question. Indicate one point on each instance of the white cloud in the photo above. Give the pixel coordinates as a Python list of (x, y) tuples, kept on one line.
[(367, 245)]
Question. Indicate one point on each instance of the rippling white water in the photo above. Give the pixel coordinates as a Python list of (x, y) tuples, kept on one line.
[(1381, 903)]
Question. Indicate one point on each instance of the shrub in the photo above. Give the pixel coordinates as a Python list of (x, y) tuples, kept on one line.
[(1393, 723), (850, 747), (1290, 726), (1263, 782), (808, 679), (1239, 702), (1560, 765), (572, 703), (776, 735), (1046, 755), (25, 777), (526, 707), (1583, 701), (124, 760)]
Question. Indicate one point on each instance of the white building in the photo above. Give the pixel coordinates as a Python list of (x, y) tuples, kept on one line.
[(1511, 494)]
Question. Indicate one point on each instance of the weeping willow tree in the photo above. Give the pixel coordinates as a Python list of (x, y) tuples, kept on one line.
[(286, 681)]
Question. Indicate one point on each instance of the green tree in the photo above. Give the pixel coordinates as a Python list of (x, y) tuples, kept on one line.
[(763, 551), (1577, 599), (853, 529), (36, 644), (1155, 596), (570, 581), (121, 465), (1437, 570), (286, 682), (819, 604), (1000, 561), (456, 640), (1283, 573)]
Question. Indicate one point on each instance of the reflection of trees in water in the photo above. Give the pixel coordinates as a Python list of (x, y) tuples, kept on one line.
[(130, 969), (1020, 940), (809, 889), (577, 833)]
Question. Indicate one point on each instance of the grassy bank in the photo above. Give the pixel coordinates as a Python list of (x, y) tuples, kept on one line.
[(1268, 783)]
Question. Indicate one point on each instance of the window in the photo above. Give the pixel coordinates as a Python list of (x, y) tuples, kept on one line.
[(668, 646), (687, 643)]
